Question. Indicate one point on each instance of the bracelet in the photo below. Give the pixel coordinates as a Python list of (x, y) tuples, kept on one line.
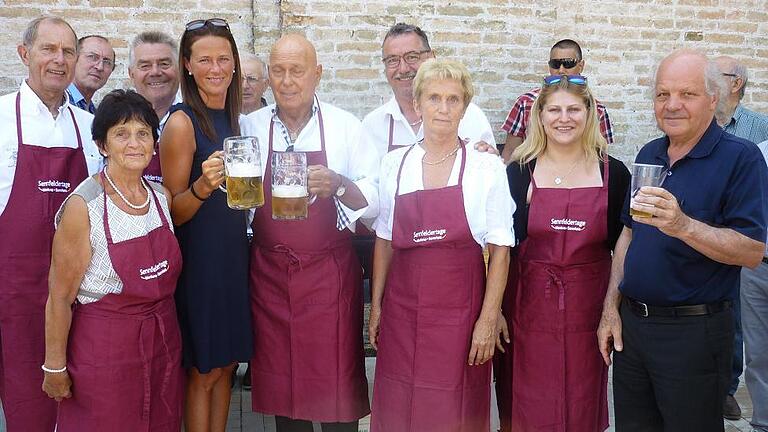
[(48, 370), (192, 189)]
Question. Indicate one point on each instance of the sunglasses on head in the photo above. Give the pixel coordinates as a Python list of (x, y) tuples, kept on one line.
[(572, 79), (198, 24), (568, 63)]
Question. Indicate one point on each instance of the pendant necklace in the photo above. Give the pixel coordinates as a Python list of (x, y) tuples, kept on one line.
[(559, 179), (122, 197)]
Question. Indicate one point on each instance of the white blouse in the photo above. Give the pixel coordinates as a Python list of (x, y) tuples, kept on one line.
[(488, 204), (100, 277)]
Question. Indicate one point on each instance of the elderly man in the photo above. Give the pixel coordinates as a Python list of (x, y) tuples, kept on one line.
[(396, 123), (306, 296), (45, 152), (154, 72), (95, 63), (754, 316), (675, 275), (564, 59), (731, 114), (255, 82), (752, 126)]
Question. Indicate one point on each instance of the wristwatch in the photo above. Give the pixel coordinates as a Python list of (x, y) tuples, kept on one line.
[(342, 189)]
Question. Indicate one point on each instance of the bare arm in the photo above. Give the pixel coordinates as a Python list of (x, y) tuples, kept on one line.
[(178, 146), (723, 245), (382, 257), (609, 330), (70, 257), (510, 144), (485, 334)]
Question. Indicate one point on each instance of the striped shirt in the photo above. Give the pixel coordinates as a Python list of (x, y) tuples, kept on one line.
[(748, 124)]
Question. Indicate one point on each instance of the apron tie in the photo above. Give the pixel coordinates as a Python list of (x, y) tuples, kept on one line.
[(168, 367), (145, 372), (146, 324), (294, 262), (555, 278)]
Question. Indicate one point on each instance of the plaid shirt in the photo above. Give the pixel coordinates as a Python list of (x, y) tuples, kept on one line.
[(518, 118), (748, 124)]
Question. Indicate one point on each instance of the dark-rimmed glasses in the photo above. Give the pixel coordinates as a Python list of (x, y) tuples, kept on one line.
[(411, 57), (568, 63), (572, 79), (198, 24)]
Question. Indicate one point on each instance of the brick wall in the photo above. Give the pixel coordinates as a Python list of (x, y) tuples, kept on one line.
[(504, 43)]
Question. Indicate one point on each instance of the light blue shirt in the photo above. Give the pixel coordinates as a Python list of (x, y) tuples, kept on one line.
[(77, 99), (748, 124)]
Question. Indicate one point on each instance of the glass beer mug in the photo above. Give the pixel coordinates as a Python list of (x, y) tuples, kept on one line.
[(242, 166), (290, 191)]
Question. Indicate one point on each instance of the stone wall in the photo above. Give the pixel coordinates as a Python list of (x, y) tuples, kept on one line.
[(504, 43)]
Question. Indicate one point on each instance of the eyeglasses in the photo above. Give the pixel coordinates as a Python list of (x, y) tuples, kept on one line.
[(568, 63), (252, 80), (411, 57), (94, 58), (572, 79), (730, 75), (198, 24)]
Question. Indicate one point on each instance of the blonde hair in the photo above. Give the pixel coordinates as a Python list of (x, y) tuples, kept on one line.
[(592, 141), (441, 69)]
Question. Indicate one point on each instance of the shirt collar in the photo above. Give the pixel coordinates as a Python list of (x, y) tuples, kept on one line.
[(74, 94), (702, 149), (284, 130), (30, 99)]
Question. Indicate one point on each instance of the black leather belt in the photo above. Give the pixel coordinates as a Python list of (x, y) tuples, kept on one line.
[(646, 310), (765, 260)]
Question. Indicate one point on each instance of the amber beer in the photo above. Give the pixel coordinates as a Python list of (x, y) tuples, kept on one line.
[(638, 213), (289, 202), (245, 188), (645, 175)]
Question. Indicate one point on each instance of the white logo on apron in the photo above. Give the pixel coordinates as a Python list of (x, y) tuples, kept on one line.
[(53, 186), (154, 178), (429, 235), (567, 224), (154, 271)]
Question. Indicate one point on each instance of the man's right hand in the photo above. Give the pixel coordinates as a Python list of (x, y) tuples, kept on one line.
[(609, 333), (57, 385)]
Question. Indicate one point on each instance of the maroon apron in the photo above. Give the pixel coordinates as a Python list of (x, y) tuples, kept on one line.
[(44, 177), (433, 296), (124, 352), (502, 361), (307, 307), (560, 380), (152, 171)]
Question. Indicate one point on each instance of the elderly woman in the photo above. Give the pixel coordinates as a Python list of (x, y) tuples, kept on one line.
[(434, 314), (569, 195), (114, 360), (212, 296)]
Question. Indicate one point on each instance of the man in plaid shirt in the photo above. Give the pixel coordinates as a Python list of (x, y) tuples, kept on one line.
[(564, 59)]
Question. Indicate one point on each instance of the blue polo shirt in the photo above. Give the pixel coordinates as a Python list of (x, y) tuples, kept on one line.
[(723, 181)]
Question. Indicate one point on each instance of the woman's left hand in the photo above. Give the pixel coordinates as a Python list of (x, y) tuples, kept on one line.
[(502, 330), (483, 341)]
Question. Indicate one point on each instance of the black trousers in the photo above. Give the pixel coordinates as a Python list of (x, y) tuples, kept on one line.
[(673, 373), (285, 424)]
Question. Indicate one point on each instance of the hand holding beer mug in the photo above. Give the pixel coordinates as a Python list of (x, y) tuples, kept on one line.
[(242, 166), (290, 193), (645, 175)]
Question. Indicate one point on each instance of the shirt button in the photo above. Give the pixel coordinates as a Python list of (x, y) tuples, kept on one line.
[(669, 173)]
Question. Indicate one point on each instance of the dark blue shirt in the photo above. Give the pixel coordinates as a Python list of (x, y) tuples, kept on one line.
[(723, 182)]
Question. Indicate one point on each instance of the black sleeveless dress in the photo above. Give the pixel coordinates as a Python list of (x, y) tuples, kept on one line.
[(212, 297)]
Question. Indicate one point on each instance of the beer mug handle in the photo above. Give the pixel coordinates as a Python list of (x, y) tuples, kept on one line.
[(221, 186), (312, 198)]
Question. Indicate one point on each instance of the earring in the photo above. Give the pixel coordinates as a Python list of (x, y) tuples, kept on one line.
[(234, 70), (154, 153), (190, 73)]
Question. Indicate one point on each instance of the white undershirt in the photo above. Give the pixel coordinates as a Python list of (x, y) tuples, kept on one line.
[(488, 205), (39, 128)]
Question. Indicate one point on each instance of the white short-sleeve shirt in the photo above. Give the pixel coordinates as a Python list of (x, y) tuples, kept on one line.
[(39, 128), (488, 205)]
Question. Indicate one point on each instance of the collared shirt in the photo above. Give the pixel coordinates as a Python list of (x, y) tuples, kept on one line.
[(345, 152), (763, 146), (77, 99), (41, 129), (519, 116), (748, 124), (488, 204), (473, 127), (723, 182)]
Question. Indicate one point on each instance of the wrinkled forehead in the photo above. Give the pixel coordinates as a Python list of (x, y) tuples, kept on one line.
[(52, 32), (684, 71), (99, 46), (153, 51)]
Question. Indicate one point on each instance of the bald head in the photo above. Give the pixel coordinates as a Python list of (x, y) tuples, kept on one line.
[(294, 44), (696, 63), (294, 74), (735, 76)]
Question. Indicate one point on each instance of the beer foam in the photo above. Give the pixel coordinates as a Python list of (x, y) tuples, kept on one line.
[(289, 191), (243, 170)]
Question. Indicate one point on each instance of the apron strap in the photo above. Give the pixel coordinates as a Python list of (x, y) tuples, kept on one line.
[(391, 131), (400, 170), (605, 172), (77, 129), (463, 161), (18, 118)]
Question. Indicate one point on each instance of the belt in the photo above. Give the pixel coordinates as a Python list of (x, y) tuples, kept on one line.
[(645, 310), (765, 260)]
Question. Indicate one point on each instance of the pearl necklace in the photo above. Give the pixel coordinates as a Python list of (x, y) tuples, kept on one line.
[(445, 158), (120, 194)]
